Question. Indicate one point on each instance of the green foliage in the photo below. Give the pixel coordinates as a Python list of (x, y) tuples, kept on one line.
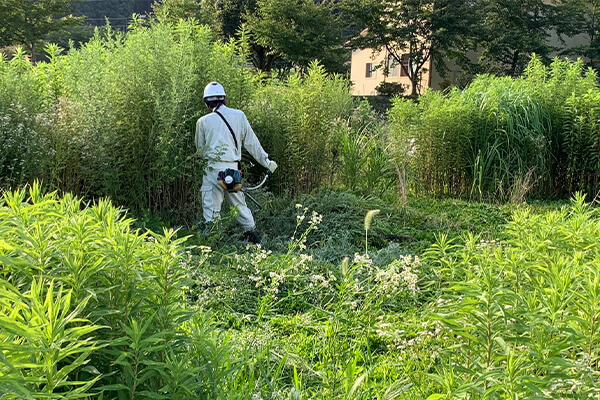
[(296, 120), (510, 32), (44, 339), (118, 12), (71, 36), (225, 17), (390, 89), (149, 113), (23, 137), (284, 323), (69, 270), (583, 14), (116, 118), (299, 31), (524, 311), (364, 164), (327, 313), (174, 10), (26, 22), (502, 138)]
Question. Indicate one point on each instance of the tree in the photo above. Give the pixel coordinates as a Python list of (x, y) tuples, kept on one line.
[(586, 20), (118, 12), (174, 10), (225, 16), (511, 30), (299, 31), (422, 30), (27, 21), (73, 35)]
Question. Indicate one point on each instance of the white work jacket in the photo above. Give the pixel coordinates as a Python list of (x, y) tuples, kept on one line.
[(216, 144)]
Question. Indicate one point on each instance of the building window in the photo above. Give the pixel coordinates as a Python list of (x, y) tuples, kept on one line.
[(371, 70), (393, 67), (405, 62)]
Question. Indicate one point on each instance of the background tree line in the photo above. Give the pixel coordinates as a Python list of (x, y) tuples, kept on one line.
[(486, 36)]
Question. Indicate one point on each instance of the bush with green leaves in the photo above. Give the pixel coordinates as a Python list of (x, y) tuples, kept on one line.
[(523, 312), (90, 305), (296, 121), (45, 342), (503, 138), (391, 89)]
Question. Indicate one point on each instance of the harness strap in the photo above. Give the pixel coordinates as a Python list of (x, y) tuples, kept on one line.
[(229, 126)]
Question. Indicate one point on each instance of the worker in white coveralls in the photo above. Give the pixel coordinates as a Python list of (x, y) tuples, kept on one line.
[(220, 136)]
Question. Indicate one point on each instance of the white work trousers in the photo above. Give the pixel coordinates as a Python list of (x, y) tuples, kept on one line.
[(213, 194)]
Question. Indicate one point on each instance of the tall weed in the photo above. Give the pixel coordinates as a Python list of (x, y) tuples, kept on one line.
[(503, 138), (296, 121), (44, 341), (522, 310), (364, 164), (131, 284), (117, 117)]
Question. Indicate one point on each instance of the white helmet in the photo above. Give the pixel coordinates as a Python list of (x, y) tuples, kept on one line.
[(214, 91)]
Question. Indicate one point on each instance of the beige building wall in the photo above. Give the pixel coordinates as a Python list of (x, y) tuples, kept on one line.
[(364, 85), (451, 77)]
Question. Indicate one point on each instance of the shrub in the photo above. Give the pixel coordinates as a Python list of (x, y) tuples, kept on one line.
[(523, 312), (430, 142), (390, 89), (104, 298)]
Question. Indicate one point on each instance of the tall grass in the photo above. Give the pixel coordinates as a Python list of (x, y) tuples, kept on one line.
[(140, 96), (503, 138), (116, 117), (364, 164)]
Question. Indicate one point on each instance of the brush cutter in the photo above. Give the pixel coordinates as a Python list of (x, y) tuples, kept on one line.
[(245, 190)]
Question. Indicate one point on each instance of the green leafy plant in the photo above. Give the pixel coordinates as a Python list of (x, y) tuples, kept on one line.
[(502, 138), (521, 326), (295, 121), (45, 343)]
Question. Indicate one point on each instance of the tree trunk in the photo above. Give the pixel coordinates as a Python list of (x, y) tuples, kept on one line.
[(514, 64), (31, 47), (262, 60), (414, 84)]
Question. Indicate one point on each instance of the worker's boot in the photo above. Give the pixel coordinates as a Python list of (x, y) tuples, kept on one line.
[(252, 237)]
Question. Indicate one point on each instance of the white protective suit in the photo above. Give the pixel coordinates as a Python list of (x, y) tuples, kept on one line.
[(216, 144)]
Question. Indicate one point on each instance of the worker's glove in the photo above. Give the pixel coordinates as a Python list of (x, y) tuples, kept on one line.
[(272, 166)]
